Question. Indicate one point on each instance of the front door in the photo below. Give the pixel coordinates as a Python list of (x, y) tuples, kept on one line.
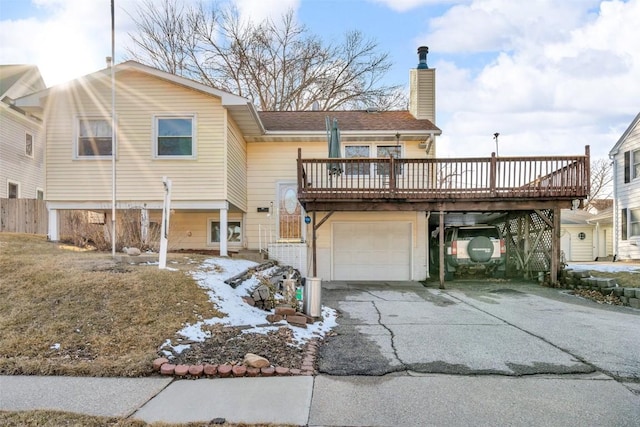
[(289, 213)]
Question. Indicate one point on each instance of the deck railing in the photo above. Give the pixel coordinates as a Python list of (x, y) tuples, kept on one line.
[(443, 179)]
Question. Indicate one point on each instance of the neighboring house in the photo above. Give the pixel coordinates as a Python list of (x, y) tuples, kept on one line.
[(585, 236), (626, 192), (603, 234), (233, 169), (22, 171)]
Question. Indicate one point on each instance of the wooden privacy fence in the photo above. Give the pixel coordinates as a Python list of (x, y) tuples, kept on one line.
[(24, 216)]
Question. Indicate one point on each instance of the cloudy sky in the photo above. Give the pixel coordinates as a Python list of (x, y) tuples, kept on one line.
[(550, 76)]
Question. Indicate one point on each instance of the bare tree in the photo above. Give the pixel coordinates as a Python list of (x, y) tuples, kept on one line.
[(601, 182), (280, 66)]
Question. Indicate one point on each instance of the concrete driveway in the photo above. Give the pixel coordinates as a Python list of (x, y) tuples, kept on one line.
[(477, 353), (477, 328)]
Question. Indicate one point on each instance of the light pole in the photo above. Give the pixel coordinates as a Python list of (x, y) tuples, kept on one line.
[(495, 136)]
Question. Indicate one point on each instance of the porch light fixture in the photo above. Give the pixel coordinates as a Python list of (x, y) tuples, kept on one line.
[(307, 219)]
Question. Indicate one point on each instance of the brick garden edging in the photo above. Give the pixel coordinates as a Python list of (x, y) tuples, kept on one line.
[(606, 286), (226, 370)]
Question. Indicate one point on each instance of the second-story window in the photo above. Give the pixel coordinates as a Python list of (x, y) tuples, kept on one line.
[(635, 155), (175, 136), (94, 138), (386, 151), (357, 152), (28, 145)]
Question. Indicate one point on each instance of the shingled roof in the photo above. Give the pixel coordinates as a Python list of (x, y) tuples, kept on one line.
[(358, 120)]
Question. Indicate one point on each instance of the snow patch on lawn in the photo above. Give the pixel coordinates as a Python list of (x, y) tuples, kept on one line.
[(211, 276), (608, 268)]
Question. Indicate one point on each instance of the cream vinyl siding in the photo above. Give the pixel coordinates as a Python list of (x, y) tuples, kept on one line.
[(628, 195), (15, 165), (139, 99), (236, 167), (188, 230), (271, 163)]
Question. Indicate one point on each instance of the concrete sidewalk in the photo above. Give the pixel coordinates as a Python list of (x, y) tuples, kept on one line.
[(399, 399)]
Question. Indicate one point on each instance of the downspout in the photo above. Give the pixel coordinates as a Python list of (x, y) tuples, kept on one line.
[(426, 246), (615, 207)]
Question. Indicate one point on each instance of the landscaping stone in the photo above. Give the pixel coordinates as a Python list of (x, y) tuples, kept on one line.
[(607, 291), (607, 283), (157, 364), (267, 372), (634, 302), (255, 361), (196, 370), (637, 292), (299, 321), (224, 371), (249, 301), (239, 370), (285, 310), (274, 318), (181, 370), (210, 369), (629, 292), (167, 369), (281, 370), (618, 292), (253, 372)]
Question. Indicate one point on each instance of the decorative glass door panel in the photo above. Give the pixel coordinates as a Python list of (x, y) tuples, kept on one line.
[(289, 214)]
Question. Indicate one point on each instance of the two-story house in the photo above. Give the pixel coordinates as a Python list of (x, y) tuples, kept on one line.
[(626, 192), (244, 179), (233, 169), (22, 172)]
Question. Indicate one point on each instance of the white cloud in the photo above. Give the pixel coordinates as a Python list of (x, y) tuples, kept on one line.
[(259, 10), (550, 82), (406, 5), (73, 38)]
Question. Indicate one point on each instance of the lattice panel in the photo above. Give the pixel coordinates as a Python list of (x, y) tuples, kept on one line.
[(529, 241)]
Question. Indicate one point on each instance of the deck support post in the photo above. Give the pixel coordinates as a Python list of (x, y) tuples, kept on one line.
[(441, 252), (555, 247)]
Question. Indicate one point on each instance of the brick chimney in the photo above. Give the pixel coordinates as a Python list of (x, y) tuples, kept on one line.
[(422, 88)]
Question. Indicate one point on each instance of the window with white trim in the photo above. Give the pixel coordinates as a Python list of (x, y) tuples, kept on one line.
[(364, 151), (234, 232), (635, 158), (634, 222), (28, 145), (174, 136), (356, 152), (94, 138), (387, 151), (39, 194), (13, 190)]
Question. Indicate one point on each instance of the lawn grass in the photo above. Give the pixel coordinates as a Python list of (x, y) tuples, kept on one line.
[(67, 311), (58, 418)]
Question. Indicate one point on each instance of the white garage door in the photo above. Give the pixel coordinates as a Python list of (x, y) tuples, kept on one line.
[(372, 251)]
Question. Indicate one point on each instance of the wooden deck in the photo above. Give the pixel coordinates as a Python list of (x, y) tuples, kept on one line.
[(493, 183)]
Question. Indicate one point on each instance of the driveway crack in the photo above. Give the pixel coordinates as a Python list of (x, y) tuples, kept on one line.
[(577, 357), (393, 344)]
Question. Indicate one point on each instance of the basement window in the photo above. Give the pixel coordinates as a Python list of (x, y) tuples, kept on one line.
[(234, 232)]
